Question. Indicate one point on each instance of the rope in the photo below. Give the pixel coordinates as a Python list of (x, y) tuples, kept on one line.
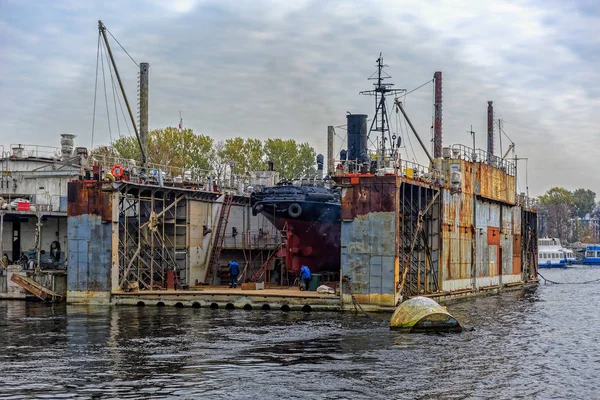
[(105, 95), (406, 94), (95, 91), (355, 302), (568, 283), (122, 47)]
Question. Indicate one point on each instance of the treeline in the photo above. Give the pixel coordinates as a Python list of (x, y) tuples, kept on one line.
[(186, 149), (566, 215)]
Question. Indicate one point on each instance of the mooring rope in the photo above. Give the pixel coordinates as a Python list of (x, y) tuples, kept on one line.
[(567, 283), (355, 302)]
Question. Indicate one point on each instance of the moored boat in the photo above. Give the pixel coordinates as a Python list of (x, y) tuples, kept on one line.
[(551, 254), (592, 255)]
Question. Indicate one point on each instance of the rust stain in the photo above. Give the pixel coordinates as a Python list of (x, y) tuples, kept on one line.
[(493, 235), (87, 197)]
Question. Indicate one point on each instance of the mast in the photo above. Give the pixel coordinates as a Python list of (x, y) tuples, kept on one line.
[(102, 29), (380, 121)]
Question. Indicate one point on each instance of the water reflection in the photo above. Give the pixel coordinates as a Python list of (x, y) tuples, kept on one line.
[(529, 344)]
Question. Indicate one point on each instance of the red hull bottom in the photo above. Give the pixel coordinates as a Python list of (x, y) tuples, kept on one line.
[(310, 243)]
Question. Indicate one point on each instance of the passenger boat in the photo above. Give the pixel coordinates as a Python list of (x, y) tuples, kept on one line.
[(551, 254), (592, 255)]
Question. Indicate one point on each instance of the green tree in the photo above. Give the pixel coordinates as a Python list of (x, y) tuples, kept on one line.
[(584, 202), (556, 206), (244, 155), (170, 147), (290, 159)]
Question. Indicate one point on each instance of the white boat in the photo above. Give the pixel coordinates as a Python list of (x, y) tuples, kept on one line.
[(551, 254)]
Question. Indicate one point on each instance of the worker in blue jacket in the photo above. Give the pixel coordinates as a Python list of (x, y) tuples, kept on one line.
[(304, 277), (234, 271)]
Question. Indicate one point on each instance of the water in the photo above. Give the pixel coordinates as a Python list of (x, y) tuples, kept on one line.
[(539, 344)]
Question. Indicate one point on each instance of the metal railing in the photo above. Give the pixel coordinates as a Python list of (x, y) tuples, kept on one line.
[(390, 166), (463, 152), (36, 150)]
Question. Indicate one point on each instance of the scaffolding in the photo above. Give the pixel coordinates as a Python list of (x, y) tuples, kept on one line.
[(156, 233), (419, 222)]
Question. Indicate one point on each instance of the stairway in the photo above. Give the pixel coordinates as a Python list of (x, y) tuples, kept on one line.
[(219, 238)]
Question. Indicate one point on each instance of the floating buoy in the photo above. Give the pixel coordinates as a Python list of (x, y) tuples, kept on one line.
[(422, 314), (116, 171)]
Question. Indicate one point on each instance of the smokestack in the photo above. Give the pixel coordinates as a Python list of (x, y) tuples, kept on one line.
[(144, 67), (437, 124), (320, 166), (490, 143), (330, 159), (357, 137)]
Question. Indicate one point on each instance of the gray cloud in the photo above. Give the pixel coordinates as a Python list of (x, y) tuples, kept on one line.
[(269, 69)]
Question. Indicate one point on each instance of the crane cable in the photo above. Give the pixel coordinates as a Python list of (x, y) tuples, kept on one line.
[(95, 91)]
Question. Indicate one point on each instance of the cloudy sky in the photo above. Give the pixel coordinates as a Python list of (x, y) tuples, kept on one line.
[(288, 69)]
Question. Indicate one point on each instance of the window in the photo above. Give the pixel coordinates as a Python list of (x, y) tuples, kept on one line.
[(589, 254)]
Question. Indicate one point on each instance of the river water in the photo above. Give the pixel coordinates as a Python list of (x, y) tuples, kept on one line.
[(533, 344)]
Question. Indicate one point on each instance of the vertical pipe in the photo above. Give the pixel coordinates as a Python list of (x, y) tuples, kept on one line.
[(2, 234), (144, 69), (490, 124), (330, 161), (437, 124)]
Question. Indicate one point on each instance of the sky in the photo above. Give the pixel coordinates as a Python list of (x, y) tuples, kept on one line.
[(288, 69)]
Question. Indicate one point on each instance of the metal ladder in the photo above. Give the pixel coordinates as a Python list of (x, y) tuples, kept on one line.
[(213, 263)]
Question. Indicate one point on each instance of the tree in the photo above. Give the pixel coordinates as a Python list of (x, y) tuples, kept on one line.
[(584, 202), (245, 155), (290, 159), (169, 147), (556, 206)]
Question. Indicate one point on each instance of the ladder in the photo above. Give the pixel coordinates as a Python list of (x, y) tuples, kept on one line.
[(272, 255), (217, 246)]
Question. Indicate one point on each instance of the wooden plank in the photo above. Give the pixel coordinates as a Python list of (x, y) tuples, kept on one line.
[(35, 288)]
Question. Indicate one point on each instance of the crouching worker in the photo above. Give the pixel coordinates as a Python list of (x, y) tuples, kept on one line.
[(234, 270), (304, 277)]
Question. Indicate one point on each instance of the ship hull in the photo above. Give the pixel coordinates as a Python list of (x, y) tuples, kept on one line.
[(313, 233)]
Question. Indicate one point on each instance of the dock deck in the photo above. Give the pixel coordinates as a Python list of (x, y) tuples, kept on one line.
[(285, 299)]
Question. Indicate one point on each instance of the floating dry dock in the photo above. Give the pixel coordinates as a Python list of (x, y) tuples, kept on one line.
[(453, 230)]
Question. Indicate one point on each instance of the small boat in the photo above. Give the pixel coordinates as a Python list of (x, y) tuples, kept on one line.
[(592, 255), (551, 254)]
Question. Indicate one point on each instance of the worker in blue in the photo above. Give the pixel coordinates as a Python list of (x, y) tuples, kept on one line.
[(304, 277), (234, 271)]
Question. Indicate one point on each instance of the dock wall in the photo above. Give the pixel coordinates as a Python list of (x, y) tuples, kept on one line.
[(462, 232), (89, 235)]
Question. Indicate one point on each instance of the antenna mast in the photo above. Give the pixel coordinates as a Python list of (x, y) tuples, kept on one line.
[(380, 121)]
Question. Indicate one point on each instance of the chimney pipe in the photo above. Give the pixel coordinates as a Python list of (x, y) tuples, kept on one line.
[(330, 159), (437, 124), (490, 142), (144, 67)]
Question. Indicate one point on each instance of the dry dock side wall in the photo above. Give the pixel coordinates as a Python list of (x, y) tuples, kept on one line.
[(405, 237), (89, 236)]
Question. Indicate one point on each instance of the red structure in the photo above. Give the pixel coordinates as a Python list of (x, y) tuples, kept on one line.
[(437, 124)]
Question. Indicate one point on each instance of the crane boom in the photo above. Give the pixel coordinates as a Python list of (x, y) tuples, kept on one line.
[(102, 30)]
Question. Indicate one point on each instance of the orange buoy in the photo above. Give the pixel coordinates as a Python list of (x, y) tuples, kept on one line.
[(117, 171)]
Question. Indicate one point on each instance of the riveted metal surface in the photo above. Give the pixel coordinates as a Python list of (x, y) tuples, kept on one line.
[(457, 235), (87, 197), (495, 184), (89, 237)]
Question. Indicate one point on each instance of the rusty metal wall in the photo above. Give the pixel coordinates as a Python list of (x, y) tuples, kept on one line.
[(89, 235), (370, 238), (495, 184), (457, 236)]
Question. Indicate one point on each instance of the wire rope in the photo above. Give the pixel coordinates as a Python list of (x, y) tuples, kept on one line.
[(95, 92)]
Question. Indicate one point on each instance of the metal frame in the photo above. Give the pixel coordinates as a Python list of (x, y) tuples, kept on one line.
[(419, 229)]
